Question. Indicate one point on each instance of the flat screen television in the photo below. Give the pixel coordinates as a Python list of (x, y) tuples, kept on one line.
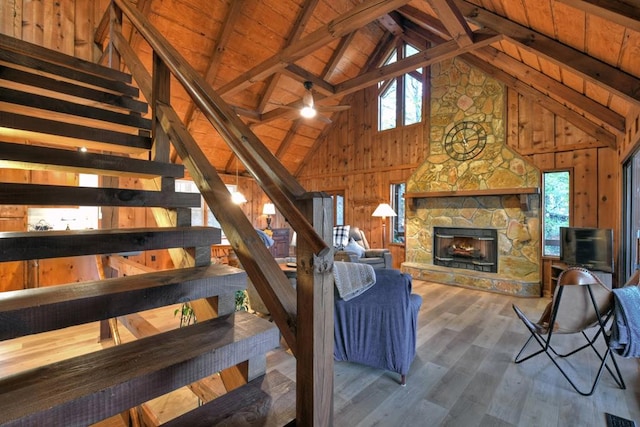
[(591, 248)]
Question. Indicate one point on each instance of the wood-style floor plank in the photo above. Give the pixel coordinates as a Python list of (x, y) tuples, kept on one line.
[(463, 373)]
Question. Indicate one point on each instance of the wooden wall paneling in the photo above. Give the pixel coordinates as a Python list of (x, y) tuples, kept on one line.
[(570, 137), (544, 161), (13, 275), (585, 180), (59, 25), (57, 271), (412, 145), (33, 21), (84, 29), (11, 18), (525, 129), (53, 178), (17, 176), (609, 190)]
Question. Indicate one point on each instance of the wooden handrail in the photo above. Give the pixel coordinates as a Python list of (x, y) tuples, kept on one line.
[(308, 332), (274, 179)]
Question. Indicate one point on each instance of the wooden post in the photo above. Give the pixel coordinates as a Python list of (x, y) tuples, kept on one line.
[(314, 366)]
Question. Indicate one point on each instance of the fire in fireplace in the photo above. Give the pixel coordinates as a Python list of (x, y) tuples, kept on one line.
[(468, 248)]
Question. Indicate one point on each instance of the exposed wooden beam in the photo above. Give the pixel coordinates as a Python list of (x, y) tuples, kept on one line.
[(223, 39), (337, 55), (300, 74), (286, 142), (550, 104), (358, 17), (616, 11), (453, 21), (392, 23), (546, 84), (600, 114), (589, 68), (425, 21), (296, 32), (427, 57)]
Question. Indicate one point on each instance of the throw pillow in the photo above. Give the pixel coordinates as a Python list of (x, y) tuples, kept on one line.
[(340, 236), (354, 247)]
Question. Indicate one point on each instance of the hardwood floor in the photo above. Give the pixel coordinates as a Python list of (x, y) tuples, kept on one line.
[(463, 373)]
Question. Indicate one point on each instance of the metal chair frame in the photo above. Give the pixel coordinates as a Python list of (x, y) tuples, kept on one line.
[(538, 333)]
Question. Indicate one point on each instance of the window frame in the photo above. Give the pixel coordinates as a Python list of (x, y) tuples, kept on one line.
[(400, 52)]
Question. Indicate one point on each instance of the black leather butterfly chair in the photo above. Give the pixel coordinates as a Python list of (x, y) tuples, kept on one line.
[(581, 302)]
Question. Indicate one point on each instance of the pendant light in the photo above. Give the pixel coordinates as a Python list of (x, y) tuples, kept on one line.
[(237, 197)]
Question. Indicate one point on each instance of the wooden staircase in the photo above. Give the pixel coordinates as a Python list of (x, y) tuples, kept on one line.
[(51, 105)]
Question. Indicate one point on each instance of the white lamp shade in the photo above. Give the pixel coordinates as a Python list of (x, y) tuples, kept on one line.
[(384, 210), (268, 209), (294, 239)]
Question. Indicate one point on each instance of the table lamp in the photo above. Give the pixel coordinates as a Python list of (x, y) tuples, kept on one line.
[(269, 209)]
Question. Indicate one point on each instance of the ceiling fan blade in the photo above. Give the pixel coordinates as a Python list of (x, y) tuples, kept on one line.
[(332, 108)]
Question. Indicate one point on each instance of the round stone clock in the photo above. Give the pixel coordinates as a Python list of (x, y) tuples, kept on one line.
[(465, 140)]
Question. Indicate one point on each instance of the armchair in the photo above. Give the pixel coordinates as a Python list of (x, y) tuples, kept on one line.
[(363, 253), (378, 328)]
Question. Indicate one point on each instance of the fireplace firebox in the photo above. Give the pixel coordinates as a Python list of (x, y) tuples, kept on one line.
[(468, 248)]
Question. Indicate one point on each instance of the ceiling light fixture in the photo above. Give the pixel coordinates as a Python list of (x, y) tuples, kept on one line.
[(237, 197), (308, 111)]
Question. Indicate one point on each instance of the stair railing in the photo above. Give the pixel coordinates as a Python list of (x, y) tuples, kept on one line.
[(309, 333)]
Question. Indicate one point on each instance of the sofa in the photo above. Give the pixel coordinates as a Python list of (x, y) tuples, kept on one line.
[(378, 327), (355, 248)]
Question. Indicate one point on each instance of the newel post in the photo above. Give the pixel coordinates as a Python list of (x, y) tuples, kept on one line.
[(314, 368)]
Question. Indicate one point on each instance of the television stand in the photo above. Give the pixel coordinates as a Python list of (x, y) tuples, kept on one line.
[(559, 267)]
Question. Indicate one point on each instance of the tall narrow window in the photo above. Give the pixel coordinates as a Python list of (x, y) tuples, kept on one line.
[(337, 198), (556, 192), (400, 99), (397, 203)]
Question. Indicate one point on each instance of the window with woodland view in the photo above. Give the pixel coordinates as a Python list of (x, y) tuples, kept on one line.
[(556, 192), (400, 99)]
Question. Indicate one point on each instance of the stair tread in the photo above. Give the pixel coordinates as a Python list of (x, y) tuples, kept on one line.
[(40, 104), (132, 373), (268, 400), (60, 195), (37, 51), (19, 246), (11, 76), (74, 135), (40, 66), (20, 156), (31, 311)]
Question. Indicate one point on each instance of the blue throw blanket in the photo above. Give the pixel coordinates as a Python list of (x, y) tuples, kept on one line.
[(625, 330)]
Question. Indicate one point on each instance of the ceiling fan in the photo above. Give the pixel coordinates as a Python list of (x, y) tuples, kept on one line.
[(310, 110)]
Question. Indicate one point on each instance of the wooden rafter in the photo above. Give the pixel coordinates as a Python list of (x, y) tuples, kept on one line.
[(545, 101), (589, 68), (358, 17), (544, 83), (453, 21), (616, 11)]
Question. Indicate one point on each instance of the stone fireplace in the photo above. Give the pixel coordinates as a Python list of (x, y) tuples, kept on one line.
[(494, 189)]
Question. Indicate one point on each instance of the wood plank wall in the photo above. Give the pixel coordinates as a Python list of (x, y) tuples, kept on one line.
[(356, 159)]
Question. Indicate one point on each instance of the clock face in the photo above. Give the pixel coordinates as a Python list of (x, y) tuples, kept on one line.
[(465, 140)]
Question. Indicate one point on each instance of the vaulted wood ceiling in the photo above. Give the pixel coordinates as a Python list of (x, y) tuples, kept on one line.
[(579, 59)]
